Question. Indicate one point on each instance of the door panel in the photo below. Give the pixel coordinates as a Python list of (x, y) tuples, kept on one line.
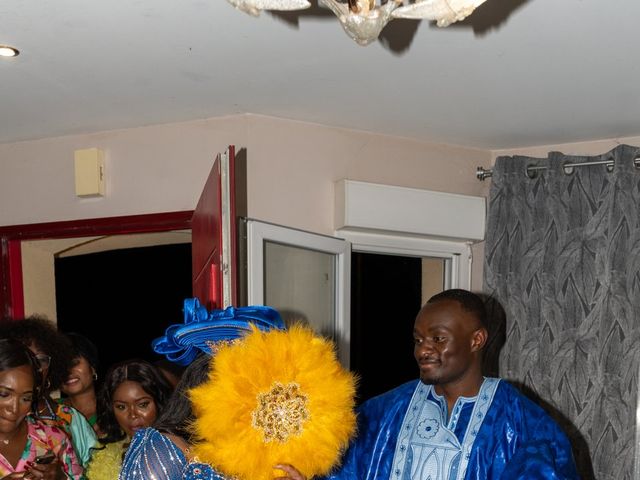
[(304, 275), (213, 230), (206, 241), (302, 284)]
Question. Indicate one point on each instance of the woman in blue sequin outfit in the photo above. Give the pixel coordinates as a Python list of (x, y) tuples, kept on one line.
[(162, 452)]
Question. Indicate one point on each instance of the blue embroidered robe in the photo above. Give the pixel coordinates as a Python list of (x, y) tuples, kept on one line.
[(515, 440)]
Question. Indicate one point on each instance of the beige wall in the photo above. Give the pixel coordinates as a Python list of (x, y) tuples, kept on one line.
[(292, 167), (149, 169)]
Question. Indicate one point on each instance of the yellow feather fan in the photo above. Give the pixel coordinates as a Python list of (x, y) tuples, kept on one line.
[(275, 397)]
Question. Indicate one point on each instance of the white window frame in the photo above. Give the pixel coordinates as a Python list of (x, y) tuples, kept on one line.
[(457, 255), (259, 232)]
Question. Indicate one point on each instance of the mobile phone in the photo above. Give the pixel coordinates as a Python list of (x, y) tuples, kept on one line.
[(46, 458)]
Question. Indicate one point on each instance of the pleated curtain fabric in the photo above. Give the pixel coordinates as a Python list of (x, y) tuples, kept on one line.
[(562, 258)]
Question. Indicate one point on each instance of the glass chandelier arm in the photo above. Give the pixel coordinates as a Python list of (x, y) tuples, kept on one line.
[(338, 8), (445, 12), (254, 7), (281, 4), (363, 20), (245, 6)]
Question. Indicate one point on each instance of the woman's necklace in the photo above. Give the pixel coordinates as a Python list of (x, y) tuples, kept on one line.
[(8, 440)]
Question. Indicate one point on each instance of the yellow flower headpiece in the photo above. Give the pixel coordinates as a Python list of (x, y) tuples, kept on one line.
[(275, 397)]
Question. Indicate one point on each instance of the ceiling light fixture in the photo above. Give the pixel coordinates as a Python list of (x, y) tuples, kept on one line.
[(363, 20), (7, 51)]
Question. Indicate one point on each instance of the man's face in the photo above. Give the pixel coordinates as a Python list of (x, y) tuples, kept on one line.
[(447, 341)]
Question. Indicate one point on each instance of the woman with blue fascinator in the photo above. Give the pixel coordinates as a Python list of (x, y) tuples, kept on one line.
[(163, 451), (263, 400)]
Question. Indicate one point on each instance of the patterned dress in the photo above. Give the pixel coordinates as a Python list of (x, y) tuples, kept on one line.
[(41, 439), (83, 437), (152, 456)]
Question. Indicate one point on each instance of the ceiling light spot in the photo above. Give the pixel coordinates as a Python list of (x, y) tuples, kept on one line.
[(8, 51)]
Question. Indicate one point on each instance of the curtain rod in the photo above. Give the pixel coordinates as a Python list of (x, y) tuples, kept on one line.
[(483, 173)]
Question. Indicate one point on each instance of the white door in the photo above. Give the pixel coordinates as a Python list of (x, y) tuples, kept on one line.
[(305, 276)]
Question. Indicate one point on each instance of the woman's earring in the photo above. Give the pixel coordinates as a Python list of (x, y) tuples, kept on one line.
[(94, 376)]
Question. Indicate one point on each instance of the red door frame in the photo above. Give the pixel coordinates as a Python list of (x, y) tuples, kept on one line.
[(11, 288)]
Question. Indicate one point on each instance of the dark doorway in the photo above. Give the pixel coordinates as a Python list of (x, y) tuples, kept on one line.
[(123, 299), (386, 295)]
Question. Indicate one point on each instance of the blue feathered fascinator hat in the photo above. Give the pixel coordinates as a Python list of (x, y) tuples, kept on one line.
[(203, 330)]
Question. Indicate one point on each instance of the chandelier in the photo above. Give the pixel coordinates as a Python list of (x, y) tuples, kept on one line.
[(363, 20)]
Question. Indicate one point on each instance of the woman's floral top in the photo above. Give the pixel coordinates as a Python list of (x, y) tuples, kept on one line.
[(41, 439)]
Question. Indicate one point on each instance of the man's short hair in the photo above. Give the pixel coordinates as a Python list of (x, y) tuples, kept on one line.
[(469, 302)]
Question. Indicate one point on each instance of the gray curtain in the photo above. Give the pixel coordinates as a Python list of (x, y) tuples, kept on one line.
[(563, 261)]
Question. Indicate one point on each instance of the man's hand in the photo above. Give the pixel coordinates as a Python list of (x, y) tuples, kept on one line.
[(290, 472)]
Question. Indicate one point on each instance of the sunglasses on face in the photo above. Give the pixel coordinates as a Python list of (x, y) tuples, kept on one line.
[(43, 360)]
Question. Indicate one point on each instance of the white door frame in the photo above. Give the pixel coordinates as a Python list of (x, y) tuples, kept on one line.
[(457, 255)]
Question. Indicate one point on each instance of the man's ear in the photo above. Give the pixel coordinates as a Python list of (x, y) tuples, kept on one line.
[(479, 339)]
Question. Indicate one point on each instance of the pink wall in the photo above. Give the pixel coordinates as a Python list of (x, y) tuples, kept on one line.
[(148, 169), (292, 167)]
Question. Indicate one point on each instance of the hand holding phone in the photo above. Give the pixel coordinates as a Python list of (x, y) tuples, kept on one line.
[(46, 459), (44, 467)]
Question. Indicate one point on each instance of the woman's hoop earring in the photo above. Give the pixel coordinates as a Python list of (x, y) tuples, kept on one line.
[(94, 376)]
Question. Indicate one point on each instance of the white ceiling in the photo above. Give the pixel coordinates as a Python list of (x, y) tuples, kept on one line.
[(516, 73)]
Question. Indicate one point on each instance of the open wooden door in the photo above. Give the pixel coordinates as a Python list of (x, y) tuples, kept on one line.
[(213, 230)]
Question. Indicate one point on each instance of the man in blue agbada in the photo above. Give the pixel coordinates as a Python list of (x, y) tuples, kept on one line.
[(453, 423)]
